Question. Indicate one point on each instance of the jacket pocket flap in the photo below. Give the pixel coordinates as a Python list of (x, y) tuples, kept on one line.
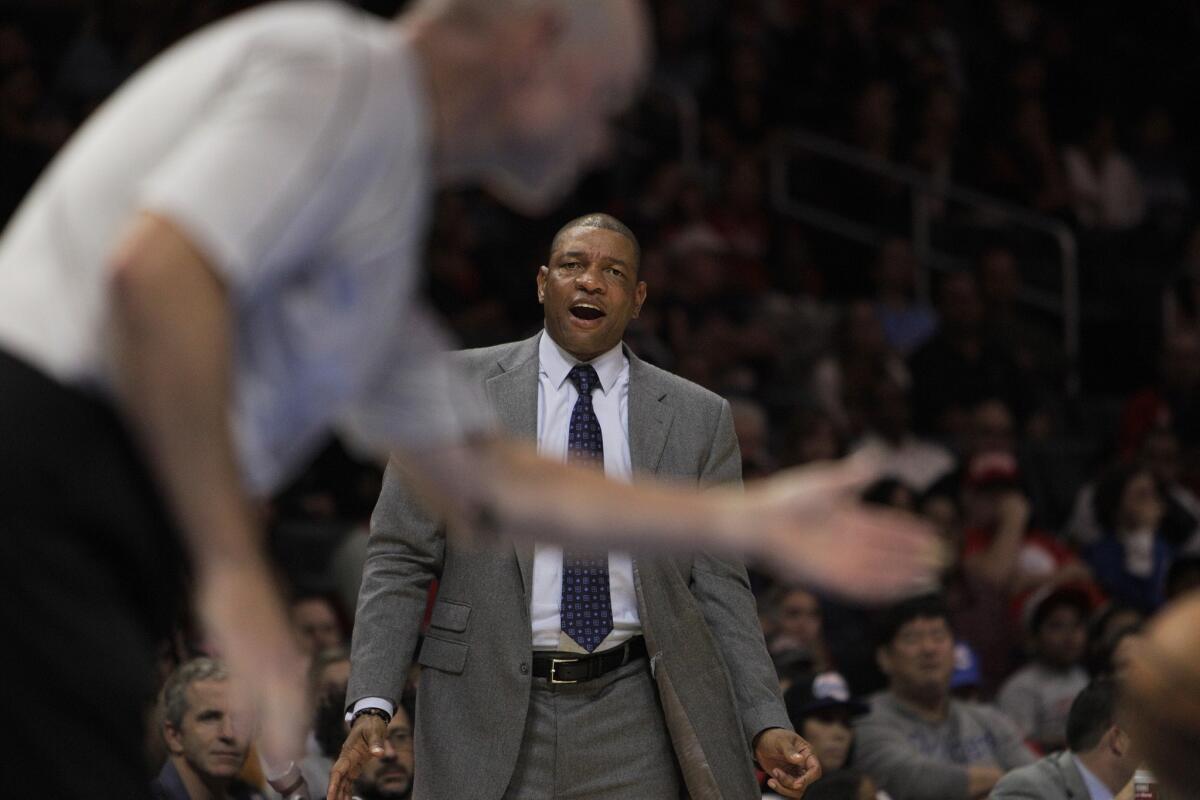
[(450, 616), (443, 655)]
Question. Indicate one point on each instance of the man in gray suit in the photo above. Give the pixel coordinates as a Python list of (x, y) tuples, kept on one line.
[(1098, 765), (552, 672)]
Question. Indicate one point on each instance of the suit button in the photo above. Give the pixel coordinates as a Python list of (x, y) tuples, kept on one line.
[(524, 668)]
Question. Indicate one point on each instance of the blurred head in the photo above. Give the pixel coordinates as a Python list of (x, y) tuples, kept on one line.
[(1058, 625), (821, 709), (1181, 361), (991, 426), (207, 736), (798, 617), (1093, 734), (389, 777), (959, 304), (860, 331), (988, 478), (895, 267), (328, 676), (1128, 499), (916, 649), (524, 90), (316, 623), (888, 411), (589, 288)]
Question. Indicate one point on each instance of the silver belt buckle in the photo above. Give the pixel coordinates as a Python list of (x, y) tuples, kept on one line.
[(554, 662)]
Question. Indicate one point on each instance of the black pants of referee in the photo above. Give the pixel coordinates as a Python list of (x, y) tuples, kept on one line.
[(91, 574)]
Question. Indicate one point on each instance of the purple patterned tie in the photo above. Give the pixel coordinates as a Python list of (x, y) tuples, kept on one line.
[(586, 608)]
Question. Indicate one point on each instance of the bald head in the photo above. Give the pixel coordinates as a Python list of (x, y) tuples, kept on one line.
[(604, 222)]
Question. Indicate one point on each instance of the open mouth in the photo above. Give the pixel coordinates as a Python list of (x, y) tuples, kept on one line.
[(586, 312)]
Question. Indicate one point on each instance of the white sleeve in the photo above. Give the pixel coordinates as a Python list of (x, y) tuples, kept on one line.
[(420, 399), (253, 184)]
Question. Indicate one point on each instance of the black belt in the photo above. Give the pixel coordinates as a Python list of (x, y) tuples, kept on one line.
[(567, 668)]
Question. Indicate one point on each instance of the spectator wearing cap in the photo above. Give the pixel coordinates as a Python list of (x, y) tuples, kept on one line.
[(1098, 765), (821, 710), (1039, 695), (1000, 545), (918, 741)]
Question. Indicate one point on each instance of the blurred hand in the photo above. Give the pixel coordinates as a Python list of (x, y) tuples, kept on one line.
[(243, 614), (788, 761), (364, 742), (808, 524)]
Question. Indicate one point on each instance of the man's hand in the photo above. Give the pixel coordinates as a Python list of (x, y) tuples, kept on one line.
[(808, 524), (364, 742), (788, 761)]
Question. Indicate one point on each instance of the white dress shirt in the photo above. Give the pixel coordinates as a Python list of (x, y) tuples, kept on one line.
[(1095, 786), (556, 400)]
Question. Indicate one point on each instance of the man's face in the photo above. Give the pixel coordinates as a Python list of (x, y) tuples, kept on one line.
[(590, 291), (920, 659), (389, 777), (213, 738), (800, 617), (830, 735), (1062, 637), (316, 625)]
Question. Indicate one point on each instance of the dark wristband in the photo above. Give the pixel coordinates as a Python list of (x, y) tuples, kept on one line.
[(373, 712)]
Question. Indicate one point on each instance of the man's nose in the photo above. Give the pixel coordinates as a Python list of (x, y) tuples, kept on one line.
[(589, 280)]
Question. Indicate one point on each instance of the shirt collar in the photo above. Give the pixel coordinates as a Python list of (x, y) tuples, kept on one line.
[(1095, 786), (555, 363)]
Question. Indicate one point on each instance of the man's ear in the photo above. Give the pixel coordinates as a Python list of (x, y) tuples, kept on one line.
[(639, 297), (543, 273), (1118, 741), (173, 737)]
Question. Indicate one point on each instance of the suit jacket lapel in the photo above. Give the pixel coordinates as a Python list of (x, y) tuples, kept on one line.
[(513, 394), (650, 413)]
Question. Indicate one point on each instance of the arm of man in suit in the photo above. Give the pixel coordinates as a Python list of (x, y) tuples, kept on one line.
[(405, 550), (722, 590)]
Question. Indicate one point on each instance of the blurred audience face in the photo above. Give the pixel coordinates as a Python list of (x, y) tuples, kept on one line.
[(889, 411), (1181, 361), (316, 624), (830, 735), (1062, 637), (920, 660), (213, 738), (1142, 506), (329, 723), (959, 304), (864, 334), (991, 427), (895, 267), (590, 290), (1160, 452), (389, 777), (799, 618)]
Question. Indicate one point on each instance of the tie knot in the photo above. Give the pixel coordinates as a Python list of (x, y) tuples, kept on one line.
[(585, 378)]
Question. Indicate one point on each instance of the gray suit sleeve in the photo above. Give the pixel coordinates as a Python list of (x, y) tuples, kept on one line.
[(1019, 785), (722, 589), (405, 552)]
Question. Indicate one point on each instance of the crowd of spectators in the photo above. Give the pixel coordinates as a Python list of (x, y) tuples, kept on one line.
[(1071, 515)]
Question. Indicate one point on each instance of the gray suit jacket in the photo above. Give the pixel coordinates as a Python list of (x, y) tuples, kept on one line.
[(1054, 777), (715, 679)]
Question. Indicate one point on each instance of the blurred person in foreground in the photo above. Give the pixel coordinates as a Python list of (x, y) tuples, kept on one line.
[(1098, 764), (221, 266), (918, 741), (557, 670), (207, 736)]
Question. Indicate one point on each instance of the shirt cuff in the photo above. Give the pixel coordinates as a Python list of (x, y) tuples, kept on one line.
[(371, 702)]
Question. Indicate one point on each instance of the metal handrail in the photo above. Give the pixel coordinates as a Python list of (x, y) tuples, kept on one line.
[(923, 187)]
